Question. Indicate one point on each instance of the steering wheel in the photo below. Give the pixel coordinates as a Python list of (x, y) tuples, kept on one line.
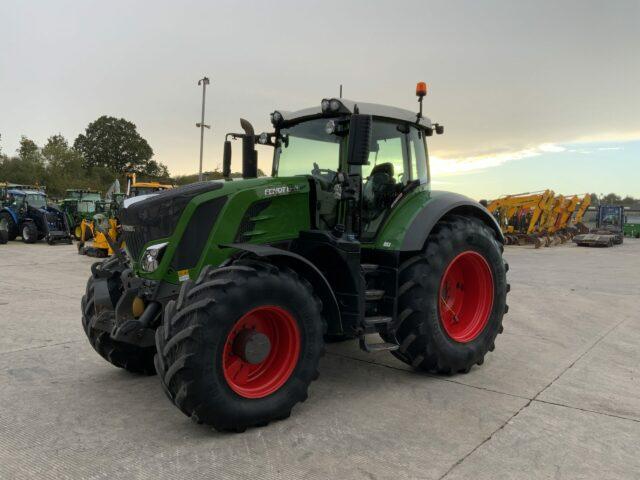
[(324, 175)]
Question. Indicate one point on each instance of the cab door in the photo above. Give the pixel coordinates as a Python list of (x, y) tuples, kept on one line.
[(397, 163)]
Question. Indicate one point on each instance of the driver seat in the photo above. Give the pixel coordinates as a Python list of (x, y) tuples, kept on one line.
[(379, 191)]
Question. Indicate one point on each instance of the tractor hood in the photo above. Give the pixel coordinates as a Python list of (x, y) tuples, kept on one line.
[(156, 216), (158, 207), (178, 215)]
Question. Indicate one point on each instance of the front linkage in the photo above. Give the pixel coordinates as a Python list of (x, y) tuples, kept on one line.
[(115, 317)]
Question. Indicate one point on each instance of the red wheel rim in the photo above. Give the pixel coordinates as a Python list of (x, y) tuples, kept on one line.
[(466, 296), (257, 380)]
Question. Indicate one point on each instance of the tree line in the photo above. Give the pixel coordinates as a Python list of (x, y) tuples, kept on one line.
[(615, 199), (108, 148)]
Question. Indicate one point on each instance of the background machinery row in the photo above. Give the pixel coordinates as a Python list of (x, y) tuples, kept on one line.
[(545, 218), (84, 215)]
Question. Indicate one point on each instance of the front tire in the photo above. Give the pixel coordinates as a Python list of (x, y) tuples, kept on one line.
[(29, 233), (123, 355), (452, 298), (205, 364)]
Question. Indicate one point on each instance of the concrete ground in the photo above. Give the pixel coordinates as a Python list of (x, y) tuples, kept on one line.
[(558, 398)]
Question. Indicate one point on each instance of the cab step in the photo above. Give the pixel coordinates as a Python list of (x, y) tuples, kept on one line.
[(373, 295), (377, 347), (369, 268), (376, 320)]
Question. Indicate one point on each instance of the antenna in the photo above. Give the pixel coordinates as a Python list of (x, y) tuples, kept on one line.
[(340, 90)]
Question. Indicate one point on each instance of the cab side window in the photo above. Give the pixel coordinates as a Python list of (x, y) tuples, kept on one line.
[(386, 174), (418, 153)]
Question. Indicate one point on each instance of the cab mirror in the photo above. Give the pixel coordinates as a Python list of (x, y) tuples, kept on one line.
[(226, 159), (359, 139)]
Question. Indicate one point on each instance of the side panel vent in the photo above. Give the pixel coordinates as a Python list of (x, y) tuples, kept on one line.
[(248, 224)]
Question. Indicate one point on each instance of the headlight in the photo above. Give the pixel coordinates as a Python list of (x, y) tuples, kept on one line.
[(263, 139), (330, 127), (152, 256), (276, 118), (334, 105)]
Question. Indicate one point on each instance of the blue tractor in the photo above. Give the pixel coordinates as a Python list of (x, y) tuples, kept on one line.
[(26, 214)]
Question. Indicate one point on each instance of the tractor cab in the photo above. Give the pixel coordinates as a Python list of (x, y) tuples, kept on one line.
[(20, 200), (610, 217), (360, 159)]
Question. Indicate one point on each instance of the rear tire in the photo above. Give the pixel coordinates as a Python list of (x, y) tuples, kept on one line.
[(11, 227), (447, 328), (123, 355), (29, 233), (4, 236), (197, 349)]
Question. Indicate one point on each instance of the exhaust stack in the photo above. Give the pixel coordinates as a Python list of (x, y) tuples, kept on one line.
[(249, 154)]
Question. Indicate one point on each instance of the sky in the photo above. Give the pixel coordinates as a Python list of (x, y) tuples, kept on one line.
[(533, 94)]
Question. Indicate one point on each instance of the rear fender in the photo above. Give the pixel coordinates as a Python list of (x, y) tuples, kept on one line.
[(439, 206), (305, 268), (12, 213)]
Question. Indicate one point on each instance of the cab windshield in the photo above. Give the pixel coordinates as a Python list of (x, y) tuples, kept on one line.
[(137, 191), (35, 200), (307, 149), (87, 206)]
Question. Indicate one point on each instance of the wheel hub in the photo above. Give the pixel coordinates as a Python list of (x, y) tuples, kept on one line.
[(261, 351), (251, 346), (466, 296)]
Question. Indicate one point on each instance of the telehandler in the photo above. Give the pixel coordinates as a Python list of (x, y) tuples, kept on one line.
[(136, 188), (228, 289)]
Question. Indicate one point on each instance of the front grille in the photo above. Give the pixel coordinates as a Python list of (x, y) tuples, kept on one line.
[(53, 221), (135, 241)]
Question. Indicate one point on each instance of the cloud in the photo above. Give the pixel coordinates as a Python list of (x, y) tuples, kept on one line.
[(452, 166), (551, 148), (461, 165)]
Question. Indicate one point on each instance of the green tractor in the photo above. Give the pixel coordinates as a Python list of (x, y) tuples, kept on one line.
[(230, 289), (79, 205)]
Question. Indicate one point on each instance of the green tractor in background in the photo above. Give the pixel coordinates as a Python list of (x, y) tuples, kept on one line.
[(79, 205), (229, 289)]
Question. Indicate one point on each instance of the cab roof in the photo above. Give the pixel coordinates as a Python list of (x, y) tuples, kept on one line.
[(26, 192), (365, 108)]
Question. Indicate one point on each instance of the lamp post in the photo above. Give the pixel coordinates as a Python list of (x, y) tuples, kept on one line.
[(204, 81)]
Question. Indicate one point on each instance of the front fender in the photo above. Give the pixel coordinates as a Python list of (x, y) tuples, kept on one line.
[(305, 268)]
